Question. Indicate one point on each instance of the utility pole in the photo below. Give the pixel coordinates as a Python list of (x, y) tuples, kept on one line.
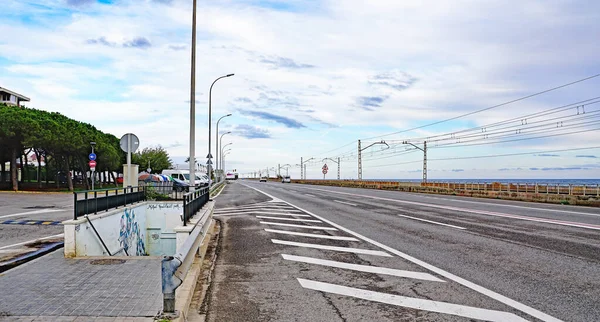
[(279, 169), (304, 171), (338, 168), (301, 169), (360, 156), (338, 165), (424, 149)]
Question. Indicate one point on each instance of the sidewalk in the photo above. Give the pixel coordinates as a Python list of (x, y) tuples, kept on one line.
[(54, 288)]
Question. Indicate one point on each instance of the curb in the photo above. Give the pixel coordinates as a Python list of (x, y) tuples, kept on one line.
[(4, 266)]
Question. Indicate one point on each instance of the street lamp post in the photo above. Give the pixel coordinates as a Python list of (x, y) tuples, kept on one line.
[(209, 156), (193, 106), (217, 140), (223, 157), (221, 140), (223, 150), (93, 144)]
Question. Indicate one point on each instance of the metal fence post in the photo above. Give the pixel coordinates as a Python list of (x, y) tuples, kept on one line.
[(75, 205)]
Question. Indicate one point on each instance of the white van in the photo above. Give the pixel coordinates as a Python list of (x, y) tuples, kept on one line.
[(201, 178)]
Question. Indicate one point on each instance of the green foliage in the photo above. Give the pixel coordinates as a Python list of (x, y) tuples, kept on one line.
[(157, 158), (152, 194)]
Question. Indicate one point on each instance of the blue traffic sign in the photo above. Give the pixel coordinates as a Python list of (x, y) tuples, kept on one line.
[(92, 156)]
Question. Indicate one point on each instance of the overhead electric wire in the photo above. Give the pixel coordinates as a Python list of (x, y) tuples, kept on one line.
[(487, 108)]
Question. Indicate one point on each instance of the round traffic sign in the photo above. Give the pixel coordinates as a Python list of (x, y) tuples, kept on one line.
[(92, 164), (129, 142), (324, 171), (92, 156)]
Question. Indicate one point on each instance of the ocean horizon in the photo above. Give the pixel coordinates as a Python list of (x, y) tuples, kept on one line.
[(589, 182)]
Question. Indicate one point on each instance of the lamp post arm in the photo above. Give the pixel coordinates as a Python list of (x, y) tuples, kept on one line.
[(368, 146), (406, 142)]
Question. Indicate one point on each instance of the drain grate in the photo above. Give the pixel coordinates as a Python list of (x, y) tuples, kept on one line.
[(107, 261)]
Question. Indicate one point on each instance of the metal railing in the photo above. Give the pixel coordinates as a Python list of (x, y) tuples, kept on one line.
[(92, 201), (193, 202)]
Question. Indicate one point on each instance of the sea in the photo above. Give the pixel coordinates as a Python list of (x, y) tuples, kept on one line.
[(575, 182)]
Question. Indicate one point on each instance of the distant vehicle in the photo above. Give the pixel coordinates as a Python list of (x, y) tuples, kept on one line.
[(231, 176), (263, 179), (286, 179), (180, 185), (184, 175)]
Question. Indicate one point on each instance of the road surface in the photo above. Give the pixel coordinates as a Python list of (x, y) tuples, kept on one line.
[(315, 253)]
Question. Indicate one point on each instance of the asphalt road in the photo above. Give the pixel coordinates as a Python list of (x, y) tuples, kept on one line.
[(400, 257), (25, 217)]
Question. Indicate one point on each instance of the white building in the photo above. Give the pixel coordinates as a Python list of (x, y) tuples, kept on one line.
[(11, 98)]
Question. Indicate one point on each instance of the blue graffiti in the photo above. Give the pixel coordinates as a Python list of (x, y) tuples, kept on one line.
[(130, 236)]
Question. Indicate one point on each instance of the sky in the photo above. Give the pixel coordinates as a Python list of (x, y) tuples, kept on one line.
[(314, 77)]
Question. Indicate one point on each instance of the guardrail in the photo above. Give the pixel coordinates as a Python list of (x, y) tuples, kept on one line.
[(105, 199), (193, 202), (175, 268)]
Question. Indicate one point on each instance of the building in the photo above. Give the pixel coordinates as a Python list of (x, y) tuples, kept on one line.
[(11, 98)]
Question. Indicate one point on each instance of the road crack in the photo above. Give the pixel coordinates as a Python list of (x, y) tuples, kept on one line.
[(337, 311)]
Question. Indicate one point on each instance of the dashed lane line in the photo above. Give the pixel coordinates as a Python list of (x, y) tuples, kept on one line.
[(289, 219), (294, 233), (297, 226), (413, 303), (334, 248), (432, 222), (477, 288), (346, 203), (363, 268)]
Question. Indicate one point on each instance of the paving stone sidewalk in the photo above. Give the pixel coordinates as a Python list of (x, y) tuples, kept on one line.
[(54, 288)]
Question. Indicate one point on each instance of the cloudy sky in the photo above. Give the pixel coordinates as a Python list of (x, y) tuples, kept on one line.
[(313, 77)]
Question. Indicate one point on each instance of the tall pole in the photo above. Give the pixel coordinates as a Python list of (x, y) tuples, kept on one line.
[(359, 162), (209, 156), (192, 166), (338, 168), (304, 171), (301, 169), (425, 162), (217, 141)]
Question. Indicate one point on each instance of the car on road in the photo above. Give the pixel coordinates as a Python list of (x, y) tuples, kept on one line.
[(286, 179), (263, 179), (180, 185)]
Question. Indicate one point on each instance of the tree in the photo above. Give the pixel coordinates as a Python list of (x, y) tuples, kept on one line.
[(156, 158)]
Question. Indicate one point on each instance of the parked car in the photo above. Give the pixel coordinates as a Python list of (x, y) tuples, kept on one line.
[(180, 185), (184, 175), (286, 179), (263, 179)]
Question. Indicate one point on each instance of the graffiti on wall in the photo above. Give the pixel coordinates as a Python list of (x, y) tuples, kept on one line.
[(131, 238)]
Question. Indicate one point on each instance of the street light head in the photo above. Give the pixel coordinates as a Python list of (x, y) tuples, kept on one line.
[(228, 132), (92, 143), (228, 114), (229, 75)]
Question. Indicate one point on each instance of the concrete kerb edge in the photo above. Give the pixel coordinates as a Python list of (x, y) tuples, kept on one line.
[(5, 266), (184, 294)]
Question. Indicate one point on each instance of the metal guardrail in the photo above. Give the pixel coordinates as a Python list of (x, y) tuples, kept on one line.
[(193, 202), (105, 199)]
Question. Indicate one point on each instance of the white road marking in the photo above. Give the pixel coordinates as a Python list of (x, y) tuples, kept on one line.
[(334, 248), (311, 235), (479, 212), (261, 212), (480, 289), (515, 206), (256, 208), (288, 219), (433, 222), (346, 203), (363, 268), (298, 226), (309, 195), (413, 303), (33, 240), (35, 212)]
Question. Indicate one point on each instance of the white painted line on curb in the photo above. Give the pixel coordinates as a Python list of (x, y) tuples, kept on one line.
[(297, 226), (480, 289), (334, 248), (432, 222), (311, 235), (288, 219), (35, 212), (413, 303), (346, 203), (33, 240), (364, 268)]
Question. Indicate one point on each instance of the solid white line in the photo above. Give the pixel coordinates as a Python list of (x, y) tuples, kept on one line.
[(41, 211), (309, 195), (496, 296), (335, 248), (413, 303), (288, 219), (33, 240), (363, 268), (433, 222), (262, 212), (346, 203), (298, 226), (256, 208), (311, 235), (479, 212)]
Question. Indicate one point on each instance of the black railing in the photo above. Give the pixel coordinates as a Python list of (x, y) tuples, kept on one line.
[(92, 201), (194, 201)]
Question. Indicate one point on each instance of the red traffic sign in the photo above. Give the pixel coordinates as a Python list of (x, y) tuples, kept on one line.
[(324, 171), (325, 167), (92, 164)]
